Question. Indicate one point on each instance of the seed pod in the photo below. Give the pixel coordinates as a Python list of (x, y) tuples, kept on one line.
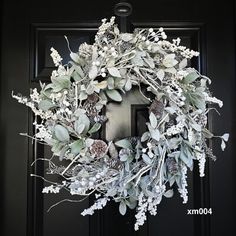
[(157, 108)]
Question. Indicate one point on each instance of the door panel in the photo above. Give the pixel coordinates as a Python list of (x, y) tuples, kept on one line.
[(29, 30)]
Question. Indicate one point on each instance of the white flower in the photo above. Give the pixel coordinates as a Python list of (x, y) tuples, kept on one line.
[(56, 57), (51, 189), (169, 60), (99, 204), (183, 190)]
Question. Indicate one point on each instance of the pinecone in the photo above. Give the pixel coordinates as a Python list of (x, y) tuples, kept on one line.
[(114, 163), (89, 106), (134, 140), (172, 165), (98, 148), (125, 46), (171, 122), (157, 108)]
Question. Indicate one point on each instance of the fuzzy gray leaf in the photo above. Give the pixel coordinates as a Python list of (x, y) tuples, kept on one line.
[(93, 72), (122, 208), (114, 95), (114, 72), (61, 133)]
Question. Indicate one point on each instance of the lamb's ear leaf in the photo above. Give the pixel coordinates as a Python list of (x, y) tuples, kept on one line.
[(114, 72), (169, 193), (191, 77), (122, 208), (94, 128), (45, 105), (124, 143), (61, 133), (76, 146), (114, 95)]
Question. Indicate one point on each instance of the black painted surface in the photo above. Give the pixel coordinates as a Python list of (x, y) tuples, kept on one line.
[(28, 30)]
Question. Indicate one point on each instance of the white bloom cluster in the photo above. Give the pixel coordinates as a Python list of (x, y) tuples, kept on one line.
[(174, 47), (60, 71), (175, 129), (30, 104), (105, 25), (55, 57), (35, 96), (176, 93), (183, 190), (154, 202), (181, 74), (98, 205), (142, 208), (51, 189), (201, 157), (43, 133)]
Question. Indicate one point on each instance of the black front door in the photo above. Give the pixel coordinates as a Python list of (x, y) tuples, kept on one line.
[(29, 30)]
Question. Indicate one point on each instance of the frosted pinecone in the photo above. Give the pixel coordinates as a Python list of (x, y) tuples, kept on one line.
[(114, 163), (172, 165), (89, 106), (157, 108), (98, 148), (134, 141)]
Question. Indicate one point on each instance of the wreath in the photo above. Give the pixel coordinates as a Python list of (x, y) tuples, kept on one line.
[(136, 172)]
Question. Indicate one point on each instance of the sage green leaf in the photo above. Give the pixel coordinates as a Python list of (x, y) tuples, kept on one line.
[(160, 74), (79, 70), (80, 128), (63, 152), (137, 60), (114, 95), (59, 83), (145, 136), (110, 83), (147, 159), (95, 128), (61, 133), (75, 57), (154, 133), (183, 63), (153, 120), (93, 72), (128, 85), (122, 208), (83, 119), (186, 156), (131, 203), (114, 72), (75, 75), (76, 146), (120, 83), (45, 105), (169, 193), (124, 143), (191, 77)]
